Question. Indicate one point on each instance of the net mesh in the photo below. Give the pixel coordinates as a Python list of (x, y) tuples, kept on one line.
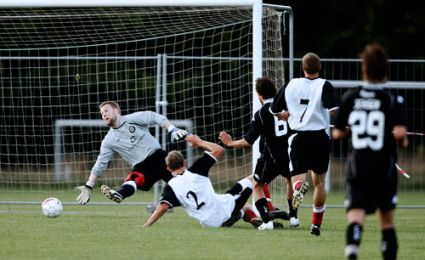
[(61, 63)]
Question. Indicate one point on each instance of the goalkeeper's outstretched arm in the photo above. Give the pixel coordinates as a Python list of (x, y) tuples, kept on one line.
[(85, 190)]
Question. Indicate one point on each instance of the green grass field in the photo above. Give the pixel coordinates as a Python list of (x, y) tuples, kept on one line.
[(116, 232)]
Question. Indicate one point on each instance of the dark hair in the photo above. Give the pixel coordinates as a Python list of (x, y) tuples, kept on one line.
[(375, 63), (174, 160), (265, 87), (112, 104), (311, 63)]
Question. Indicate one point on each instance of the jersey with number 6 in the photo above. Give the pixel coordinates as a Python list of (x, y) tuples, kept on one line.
[(274, 131), (370, 112), (193, 191)]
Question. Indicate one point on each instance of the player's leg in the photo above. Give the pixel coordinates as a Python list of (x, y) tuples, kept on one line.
[(389, 245), (355, 218), (267, 195), (127, 189), (298, 168), (319, 157), (319, 199), (250, 216), (293, 212), (241, 192)]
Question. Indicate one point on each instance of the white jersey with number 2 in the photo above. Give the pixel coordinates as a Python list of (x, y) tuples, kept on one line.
[(196, 194)]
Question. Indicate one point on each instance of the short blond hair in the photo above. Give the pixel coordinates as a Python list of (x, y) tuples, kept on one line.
[(174, 160), (112, 104)]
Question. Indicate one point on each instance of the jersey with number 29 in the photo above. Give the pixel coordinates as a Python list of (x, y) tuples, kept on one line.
[(370, 112)]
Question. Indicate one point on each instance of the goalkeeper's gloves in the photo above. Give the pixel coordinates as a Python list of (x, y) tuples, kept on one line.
[(177, 134), (85, 192)]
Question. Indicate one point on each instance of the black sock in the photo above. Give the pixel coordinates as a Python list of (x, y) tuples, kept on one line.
[(389, 244), (353, 239), (292, 212), (126, 190), (261, 206)]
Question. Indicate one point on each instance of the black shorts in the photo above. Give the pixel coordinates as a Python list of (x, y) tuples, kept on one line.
[(309, 150), (372, 188), (267, 170), (154, 169)]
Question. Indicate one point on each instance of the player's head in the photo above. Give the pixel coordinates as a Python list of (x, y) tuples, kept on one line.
[(174, 160), (375, 63), (110, 112), (311, 63), (265, 87)]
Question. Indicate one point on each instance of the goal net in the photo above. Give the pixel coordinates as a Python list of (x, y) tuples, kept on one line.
[(192, 64)]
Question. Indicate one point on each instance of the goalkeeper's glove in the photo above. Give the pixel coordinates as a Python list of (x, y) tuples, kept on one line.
[(177, 134), (85, 192)]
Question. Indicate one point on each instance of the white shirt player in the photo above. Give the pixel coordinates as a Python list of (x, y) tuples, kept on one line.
[(307, 101), (197, 196), (304, 101), (131, 140)]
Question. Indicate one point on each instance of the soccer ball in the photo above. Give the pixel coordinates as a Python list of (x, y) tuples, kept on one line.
[(52, 207)]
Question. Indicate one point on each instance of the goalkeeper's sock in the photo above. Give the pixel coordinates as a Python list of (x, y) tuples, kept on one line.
[(318, 213), (261, 206), (389, 244), (353, 239), (127, 189), (266, 191)]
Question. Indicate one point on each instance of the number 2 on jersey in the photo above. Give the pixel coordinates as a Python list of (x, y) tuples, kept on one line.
[(367, 129), (193, 195)]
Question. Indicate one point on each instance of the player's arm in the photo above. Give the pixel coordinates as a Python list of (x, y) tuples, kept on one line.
[(400, 129), (152, 118), (157, 214), (279, 107), (339, 134), (228, 141), (215, 149), (341, 130), (329, 99), (103, 159)]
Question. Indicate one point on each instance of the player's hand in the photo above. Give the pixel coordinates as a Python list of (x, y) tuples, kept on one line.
[(177, 134), (193, 140), (225, 137), (85, 192)]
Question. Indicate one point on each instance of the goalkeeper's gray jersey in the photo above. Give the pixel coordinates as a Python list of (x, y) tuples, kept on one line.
[(131, 140)]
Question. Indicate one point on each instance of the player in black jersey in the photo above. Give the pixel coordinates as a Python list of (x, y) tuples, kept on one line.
[(274, 159), (373, 117)]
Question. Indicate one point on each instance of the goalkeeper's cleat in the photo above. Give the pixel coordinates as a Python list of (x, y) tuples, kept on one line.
[(270, 226), (111, 194), (298, 196), (281, 214), (294, 222), (315, 230)]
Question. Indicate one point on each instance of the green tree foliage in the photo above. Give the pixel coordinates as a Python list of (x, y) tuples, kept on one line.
[(341, 28)]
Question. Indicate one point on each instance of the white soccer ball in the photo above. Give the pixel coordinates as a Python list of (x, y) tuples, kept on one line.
[(52, 207)]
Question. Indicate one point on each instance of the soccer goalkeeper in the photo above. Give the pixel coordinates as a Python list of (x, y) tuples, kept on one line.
[(129, 137)]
